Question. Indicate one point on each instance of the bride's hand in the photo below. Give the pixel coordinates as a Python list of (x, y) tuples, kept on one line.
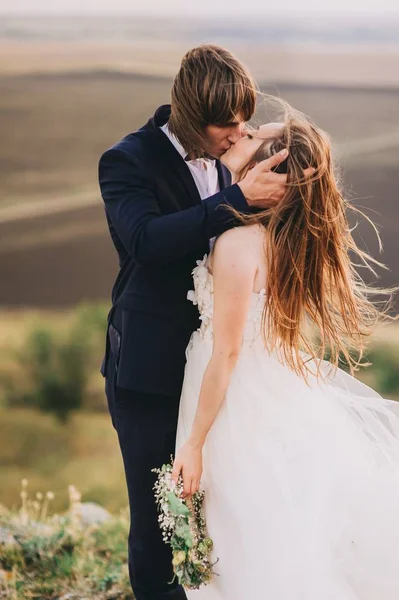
[(188, 462)]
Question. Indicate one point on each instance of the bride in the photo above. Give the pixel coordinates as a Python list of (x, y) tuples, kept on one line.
[(299, 460)]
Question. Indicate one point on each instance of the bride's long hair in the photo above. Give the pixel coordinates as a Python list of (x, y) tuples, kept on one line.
[(316, 301)]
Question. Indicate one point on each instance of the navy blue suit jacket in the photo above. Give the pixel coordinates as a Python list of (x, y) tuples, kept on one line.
[(159, 227)]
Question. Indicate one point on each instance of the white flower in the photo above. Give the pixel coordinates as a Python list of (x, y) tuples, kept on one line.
[(192, 297), (200, 276), (202, 263), (205, 302)]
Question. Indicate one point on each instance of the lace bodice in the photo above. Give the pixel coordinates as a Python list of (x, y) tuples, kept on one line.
[(202, 296)]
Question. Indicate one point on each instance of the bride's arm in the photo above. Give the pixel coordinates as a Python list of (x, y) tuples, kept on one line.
[(234, 270)]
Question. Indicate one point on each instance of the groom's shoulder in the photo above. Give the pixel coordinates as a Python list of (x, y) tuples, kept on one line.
[(144, 144), (140, 144), (134, 143)]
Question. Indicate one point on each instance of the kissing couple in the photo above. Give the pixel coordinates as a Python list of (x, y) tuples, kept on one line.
[(236, 278)]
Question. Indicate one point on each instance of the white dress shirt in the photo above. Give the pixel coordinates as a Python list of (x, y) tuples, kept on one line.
[(203, 170)]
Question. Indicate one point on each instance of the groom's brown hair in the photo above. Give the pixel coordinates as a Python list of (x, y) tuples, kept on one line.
[(211, 88)]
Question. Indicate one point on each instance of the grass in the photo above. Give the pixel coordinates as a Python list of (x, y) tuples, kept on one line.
[(85, 450), (61, 560), (52, 456), (59, 557)]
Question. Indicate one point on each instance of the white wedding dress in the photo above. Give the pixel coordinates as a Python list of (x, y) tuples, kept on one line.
[(301, 482)]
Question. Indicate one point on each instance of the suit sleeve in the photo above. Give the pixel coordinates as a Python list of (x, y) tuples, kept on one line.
[(148, 236)]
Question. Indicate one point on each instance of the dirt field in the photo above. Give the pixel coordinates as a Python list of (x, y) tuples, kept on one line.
[(54, 128), (157, 52)]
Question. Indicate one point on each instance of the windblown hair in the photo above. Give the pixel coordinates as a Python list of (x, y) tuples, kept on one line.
[(211, 88), (316, 301)]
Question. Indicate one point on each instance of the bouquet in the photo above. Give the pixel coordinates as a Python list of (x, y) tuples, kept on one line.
[(183, 527)]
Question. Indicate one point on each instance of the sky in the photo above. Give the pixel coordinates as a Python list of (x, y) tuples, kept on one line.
[(360, 8)]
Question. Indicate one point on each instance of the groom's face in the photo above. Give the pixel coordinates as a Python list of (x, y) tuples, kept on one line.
[(220, 138)]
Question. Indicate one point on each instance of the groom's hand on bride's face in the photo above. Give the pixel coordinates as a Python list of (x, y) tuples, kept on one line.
[(262, 187)]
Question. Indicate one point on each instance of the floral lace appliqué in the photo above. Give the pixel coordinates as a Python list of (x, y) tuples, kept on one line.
[(202, 295)]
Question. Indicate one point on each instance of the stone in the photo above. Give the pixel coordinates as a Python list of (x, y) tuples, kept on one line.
[(72, 596), (6, 537), (90, 513)]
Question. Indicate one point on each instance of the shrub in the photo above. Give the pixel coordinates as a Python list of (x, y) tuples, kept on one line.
[(385, 366), (380, 370), (57, 370), (57, 363)]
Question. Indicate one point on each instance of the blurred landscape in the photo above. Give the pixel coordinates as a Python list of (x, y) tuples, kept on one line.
[(69, 89)]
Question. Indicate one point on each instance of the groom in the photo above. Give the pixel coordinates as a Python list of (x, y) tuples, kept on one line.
[(165, 191)]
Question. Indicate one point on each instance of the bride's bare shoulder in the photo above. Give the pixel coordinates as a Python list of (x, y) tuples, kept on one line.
[(238, 243), (239, 239)]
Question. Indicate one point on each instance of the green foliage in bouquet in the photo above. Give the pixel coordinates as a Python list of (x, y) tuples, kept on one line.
[(183, 527)]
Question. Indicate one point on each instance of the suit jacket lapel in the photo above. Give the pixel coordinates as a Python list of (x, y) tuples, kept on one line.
[(224, 175), (173, 162), (177, 166)]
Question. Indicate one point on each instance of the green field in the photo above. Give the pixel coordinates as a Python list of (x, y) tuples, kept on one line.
[(84, 453)]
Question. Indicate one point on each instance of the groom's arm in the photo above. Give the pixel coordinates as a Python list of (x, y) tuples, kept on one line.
[(150, 237)]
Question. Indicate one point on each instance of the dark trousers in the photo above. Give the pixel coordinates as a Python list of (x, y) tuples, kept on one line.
[(146, 426)]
